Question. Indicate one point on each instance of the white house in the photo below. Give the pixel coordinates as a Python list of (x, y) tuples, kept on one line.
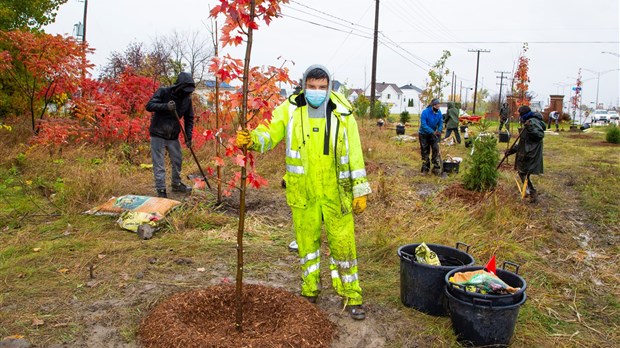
[(355, 93), (411, 98), (391, 95)]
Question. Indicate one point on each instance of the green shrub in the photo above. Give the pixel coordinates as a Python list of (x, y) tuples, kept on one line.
[(404, 117), (613, 135), (482, 174)]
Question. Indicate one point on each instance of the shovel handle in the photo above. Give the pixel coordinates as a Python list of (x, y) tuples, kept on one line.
[(190, 149)]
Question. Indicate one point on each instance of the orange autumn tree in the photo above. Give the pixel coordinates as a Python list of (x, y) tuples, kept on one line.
[(251, 105), (43, 67), (522, 79)]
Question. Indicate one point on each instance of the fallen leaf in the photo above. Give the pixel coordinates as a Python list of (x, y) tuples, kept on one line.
[(13, 337), (101, 256), (36, 250), (37, 322), (201, 269), (63, 270)]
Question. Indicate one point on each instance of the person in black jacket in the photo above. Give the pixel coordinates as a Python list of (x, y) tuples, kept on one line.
[(165, 129), (529, 149)]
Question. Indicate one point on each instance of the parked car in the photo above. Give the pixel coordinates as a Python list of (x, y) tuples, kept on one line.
[(614, 118), (600, 115)]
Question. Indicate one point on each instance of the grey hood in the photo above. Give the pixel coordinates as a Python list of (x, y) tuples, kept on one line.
[(329, 82), (315, 66)]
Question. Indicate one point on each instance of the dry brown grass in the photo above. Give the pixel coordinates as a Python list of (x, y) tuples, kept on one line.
[(567, 244)]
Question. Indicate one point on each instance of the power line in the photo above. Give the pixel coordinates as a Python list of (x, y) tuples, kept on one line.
[(321, 17), (330, 15), (324, 26), (509, 42), (386, 44)]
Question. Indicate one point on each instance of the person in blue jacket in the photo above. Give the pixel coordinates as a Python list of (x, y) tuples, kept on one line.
[(431, 125)]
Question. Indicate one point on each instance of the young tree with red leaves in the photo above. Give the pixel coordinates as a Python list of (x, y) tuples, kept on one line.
[(522, 79), (258, 94)]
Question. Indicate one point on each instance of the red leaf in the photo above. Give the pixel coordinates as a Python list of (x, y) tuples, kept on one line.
[(239, 160), (218, 161)]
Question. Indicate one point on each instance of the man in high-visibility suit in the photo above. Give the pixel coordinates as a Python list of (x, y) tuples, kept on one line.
[(325, 180)]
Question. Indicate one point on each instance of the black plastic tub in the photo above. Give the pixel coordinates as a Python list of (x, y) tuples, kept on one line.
[(400, 130), (481, 323), (451, 167), (512, 279), (504, 137), (421, 285)]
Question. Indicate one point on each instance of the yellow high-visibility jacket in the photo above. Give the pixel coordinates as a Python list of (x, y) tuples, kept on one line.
[(290, 122)]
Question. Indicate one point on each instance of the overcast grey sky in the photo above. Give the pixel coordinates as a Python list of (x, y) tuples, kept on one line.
[(563, 36)]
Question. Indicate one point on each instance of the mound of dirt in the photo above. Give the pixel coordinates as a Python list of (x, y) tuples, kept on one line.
[(457, 191), (206, 318)]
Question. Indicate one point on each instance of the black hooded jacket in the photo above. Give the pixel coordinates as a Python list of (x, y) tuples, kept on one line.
[(164, 123)]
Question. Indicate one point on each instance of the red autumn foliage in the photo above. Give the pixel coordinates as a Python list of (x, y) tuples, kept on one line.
[(263, 91), (42, 66), (106, 112), (522, 79)]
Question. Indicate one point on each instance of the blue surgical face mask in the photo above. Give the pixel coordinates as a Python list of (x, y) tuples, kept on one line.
[(315, 97)]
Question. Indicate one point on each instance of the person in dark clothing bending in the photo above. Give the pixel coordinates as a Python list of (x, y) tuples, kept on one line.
[(529, 149), (431, 124), (165, 129)]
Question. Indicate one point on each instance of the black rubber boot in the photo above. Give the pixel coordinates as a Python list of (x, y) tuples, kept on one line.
[(161, 193), (181, 187)]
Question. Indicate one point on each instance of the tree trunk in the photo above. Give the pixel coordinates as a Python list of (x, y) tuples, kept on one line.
[(243, 124)]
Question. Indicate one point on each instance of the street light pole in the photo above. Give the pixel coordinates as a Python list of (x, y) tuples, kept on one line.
[(598, 80)]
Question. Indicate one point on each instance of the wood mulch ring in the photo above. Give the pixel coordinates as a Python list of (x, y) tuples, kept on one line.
[(206, 318)]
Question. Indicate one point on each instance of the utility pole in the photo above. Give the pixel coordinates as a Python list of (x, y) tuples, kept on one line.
[(501, 84), (461, 93), (373, 78), (85, 12), (476, 84), (452, 86)]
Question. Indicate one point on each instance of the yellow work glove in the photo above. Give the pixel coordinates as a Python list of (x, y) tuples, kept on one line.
[(359, 204), (244, 139)]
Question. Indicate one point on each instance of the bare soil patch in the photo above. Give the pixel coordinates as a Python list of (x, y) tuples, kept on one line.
[(206, 318), (457, 191)]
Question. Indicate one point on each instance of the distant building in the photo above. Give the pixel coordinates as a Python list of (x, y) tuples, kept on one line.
[(355, 93), (391, 95), (210, 85), (411, 98)]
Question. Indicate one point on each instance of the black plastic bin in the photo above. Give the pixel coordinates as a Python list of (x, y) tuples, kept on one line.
[(450, 167), (512, 279), (400, 130), (422, 285), (482, 324), (504, 137)]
